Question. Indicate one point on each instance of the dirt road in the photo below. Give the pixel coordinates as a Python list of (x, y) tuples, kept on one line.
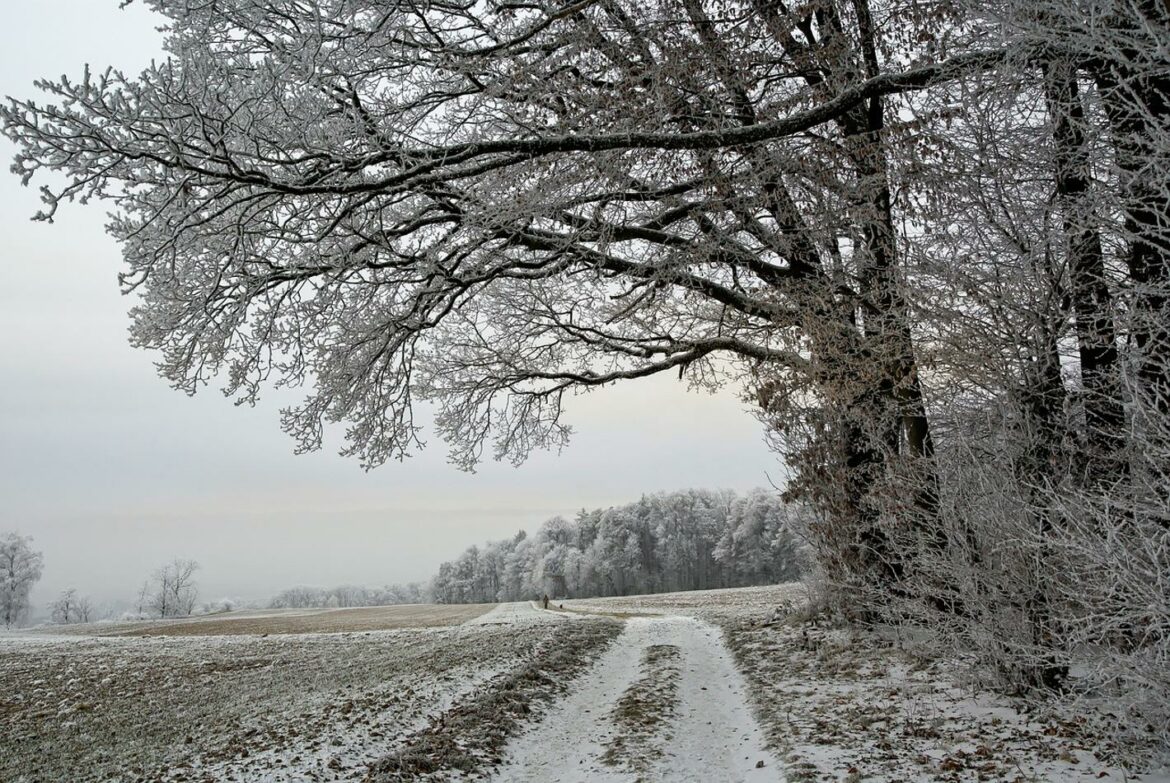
[(520, 612), (664, 703)]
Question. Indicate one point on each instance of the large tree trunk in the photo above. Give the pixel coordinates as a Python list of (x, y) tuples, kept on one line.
[(888, 324), (876, 423), (1091, 299), (1042, 403), (1135, 89), (1134, 83)]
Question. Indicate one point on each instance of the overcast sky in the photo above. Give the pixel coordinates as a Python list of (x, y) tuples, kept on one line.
[(114, 473)]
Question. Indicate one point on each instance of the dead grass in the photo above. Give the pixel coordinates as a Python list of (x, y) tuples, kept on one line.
[(641, 714)]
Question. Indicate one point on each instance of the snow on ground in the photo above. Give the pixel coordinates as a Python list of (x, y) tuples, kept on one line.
[(694, 687), (305, 707), (737, 601), (847, 705), (692, 726), (274, 621), (466, 742), (843, 705), (522, 612)]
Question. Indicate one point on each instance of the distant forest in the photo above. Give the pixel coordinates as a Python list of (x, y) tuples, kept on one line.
[(688, 540), (345, 596)]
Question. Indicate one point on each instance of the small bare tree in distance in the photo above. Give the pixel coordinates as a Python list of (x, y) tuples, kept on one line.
[(171, 590), (71, 607)]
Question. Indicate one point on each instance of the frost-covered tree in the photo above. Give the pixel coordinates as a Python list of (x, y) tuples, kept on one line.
[(348, 595), (664, 542), (171, 591), (1038, 249), (71, 607), (759, 542), (491, 207), (20, 568)]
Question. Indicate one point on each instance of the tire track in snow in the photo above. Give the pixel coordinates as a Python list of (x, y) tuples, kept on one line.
[(715, 736)]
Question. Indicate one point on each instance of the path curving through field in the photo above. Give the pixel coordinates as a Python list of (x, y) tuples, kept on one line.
[(664, 703)]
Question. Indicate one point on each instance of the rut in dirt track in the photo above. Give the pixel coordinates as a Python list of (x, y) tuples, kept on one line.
[(664, 703)]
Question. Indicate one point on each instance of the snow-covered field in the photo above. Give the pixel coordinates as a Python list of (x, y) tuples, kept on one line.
[(716, 604), (721, 686), (244, 707), (279, 621)]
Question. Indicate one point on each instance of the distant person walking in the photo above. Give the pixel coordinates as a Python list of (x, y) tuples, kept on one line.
[(545, 600)]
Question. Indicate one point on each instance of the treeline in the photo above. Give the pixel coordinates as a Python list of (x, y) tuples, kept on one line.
[(689, 540), (345, 596)]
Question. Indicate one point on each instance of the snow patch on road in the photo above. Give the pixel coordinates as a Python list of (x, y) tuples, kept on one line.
[(517, 613)]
